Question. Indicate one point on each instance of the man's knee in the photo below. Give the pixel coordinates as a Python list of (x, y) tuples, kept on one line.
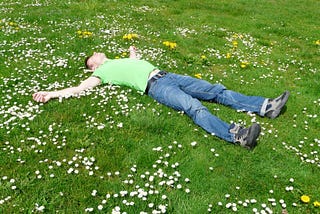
[(200, 112), (220, 88)]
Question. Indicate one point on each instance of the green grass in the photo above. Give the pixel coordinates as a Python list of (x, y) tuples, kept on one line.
[(70, 155)]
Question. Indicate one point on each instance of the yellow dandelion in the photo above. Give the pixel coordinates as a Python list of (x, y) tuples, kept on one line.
[(124, 54), (203, 57), (130, 36), (198, 75), (235, 43), (84, 34), (117, 57), (318, 42), (305, 199), (166, 43), (316, 204), (228, 55), (172, 45), (244, 64)]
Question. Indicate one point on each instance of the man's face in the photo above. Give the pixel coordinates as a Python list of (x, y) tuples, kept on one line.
[(96, 60)]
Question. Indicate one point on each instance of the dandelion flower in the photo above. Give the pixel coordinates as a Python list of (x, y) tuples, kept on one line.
[(244, 64), (198, 75), (235, 43), (305, 199), (166, 43), (130, 36), (84, 34), (316, 204), (171, 45)]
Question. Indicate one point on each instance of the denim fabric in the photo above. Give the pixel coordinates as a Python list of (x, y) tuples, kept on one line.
[(184, 93)]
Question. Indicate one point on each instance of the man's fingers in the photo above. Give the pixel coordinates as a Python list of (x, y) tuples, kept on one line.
[(39, 97), (132, 48), (34, 96)]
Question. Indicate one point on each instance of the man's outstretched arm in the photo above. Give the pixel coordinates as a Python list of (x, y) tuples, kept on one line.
[(45, 96)]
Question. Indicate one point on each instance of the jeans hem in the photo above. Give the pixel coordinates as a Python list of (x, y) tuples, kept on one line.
[(263, 107)]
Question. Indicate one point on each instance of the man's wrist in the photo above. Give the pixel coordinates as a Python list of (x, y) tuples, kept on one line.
[(52, 94)]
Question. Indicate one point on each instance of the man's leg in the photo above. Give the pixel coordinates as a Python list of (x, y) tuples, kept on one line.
[(167, 92), (218, 93), (238, 101), (270, 108)]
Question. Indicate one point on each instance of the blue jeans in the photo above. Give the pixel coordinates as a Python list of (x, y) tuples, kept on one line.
[(184, 93)]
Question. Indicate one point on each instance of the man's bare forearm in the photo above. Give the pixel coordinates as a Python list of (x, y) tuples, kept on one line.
[(45, 96), (65, 92)]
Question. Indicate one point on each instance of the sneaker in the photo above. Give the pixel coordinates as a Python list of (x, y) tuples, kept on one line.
[(274, 106), (246, 137)]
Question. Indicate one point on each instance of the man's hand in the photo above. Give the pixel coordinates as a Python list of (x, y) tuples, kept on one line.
[(42, 96), (132, 50)]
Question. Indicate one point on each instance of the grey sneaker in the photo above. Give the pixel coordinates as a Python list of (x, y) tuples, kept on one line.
[(274, 106), (246, 137)]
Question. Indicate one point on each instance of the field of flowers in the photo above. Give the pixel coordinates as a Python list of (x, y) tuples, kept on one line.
[(114, 150)]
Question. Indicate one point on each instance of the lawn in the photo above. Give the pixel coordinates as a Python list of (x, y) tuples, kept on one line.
[(115, 150)]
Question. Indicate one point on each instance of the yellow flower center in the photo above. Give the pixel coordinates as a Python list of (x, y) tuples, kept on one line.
[(305, 199)]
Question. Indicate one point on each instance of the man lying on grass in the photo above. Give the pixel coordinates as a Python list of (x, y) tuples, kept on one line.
[(179, 92)]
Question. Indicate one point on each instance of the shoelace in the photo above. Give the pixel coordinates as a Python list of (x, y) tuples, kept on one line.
[(274, 103), (241, 136)]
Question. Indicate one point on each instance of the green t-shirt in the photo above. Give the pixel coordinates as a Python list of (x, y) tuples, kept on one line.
[(127, 72)]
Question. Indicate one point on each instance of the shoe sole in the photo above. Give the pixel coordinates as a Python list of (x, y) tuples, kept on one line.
[(277, 111), (253, 134)]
